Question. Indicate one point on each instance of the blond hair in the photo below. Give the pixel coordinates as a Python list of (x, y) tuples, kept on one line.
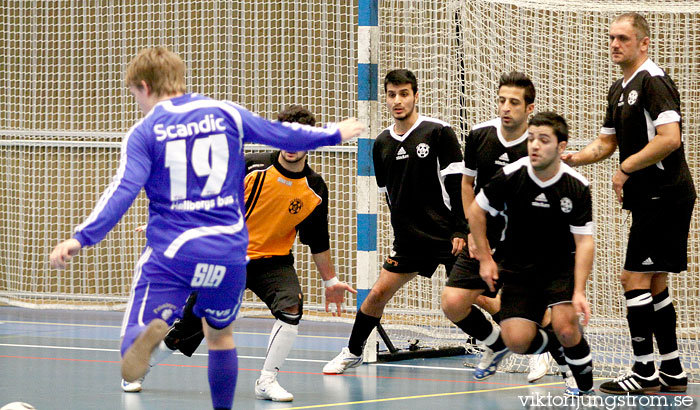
[(161, 69)]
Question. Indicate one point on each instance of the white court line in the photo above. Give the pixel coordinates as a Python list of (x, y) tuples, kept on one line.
[(92, 349)]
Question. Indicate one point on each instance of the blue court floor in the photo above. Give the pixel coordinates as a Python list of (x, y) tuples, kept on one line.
[(69, 360)]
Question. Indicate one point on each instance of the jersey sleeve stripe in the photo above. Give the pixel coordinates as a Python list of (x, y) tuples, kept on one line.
[(470, 172), (254, 193), (453, 168), (484, 204), (587, 229), (667, 117), (195, 233)]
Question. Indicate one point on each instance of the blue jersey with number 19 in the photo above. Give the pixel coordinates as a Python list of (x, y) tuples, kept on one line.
[(187, 153)]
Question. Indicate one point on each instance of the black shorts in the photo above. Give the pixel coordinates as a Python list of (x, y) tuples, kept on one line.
[(465, 275), (527, 295), (424, 264), (274, 280), (658, 239)]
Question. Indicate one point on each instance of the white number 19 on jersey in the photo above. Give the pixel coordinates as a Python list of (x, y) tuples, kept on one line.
[(176, 161)]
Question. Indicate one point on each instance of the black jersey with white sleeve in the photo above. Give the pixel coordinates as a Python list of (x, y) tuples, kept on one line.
[(486, 151), (420, 172), (541, 216), (635, 108)]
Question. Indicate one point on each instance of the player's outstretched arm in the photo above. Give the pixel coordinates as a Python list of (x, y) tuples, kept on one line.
[(350, 128), (64, 252), (335, 289), (599, 149)]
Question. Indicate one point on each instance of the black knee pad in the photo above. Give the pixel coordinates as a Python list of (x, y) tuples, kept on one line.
[(186, 334), (291, 318)]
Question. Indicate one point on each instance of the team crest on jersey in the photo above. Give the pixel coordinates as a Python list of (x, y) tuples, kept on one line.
[(566, 205), (632, 97), (295, 206), (423, 150)]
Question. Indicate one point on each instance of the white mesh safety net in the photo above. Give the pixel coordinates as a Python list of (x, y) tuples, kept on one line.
[(65, 110)]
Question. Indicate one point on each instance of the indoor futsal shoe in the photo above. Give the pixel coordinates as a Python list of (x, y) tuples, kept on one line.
[(539, 366), (133, 387), (632, 383), (345, 360), (571, 388), (489, 363), (267, 388), (675, 384), (135, 363)]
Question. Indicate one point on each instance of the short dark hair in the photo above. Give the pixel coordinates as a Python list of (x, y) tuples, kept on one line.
[(520, 80), (401, 76), (297, 113), (553, 120), (638, 22)]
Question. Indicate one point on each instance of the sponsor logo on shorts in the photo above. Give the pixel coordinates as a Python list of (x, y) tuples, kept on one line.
[(165, 311), (208, 276), (219, 315), (392, 262)]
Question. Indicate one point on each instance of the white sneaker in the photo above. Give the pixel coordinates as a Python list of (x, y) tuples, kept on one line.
[(133, 387), (267, 388), (345, 360), (571, 386), (539, 366), (489, 363)]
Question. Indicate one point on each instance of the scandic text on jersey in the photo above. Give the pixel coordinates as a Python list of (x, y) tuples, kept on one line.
[(210, 123)]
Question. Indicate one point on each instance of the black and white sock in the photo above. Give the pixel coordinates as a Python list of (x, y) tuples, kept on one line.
[(639, 311), (581, 364), (664, 327), (477, 326)]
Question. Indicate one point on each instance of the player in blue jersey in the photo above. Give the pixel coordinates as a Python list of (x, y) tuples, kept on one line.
[(187, 153)]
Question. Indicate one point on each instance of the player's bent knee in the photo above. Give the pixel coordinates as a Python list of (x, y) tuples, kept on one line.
[(289, 318)]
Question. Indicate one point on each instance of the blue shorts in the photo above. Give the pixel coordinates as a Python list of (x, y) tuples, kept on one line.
[(161, 287)]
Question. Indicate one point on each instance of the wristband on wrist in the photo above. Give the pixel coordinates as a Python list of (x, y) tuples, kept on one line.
[(624, 172), (330, 282)]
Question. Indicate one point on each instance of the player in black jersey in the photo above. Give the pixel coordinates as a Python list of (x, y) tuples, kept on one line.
[(489, 146), (547, 247), (418, 165), (644, 119)]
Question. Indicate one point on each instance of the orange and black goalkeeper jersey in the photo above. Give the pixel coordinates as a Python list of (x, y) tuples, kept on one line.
[(279, 203)]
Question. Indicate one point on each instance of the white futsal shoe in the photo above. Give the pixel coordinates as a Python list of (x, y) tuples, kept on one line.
[(539, 366), (133, 387), (345, 360), (267, 388)]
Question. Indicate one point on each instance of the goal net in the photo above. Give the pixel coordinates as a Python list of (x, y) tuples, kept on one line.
[(66, 109)]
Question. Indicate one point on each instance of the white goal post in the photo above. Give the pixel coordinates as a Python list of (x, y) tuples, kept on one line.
[(65, 109)]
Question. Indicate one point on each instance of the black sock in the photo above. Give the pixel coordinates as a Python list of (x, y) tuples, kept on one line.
[(477, 326), (555, 348), (546, 341), (361, 329), (664, 327), (639, 312), (496, 317), (581, 364)]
